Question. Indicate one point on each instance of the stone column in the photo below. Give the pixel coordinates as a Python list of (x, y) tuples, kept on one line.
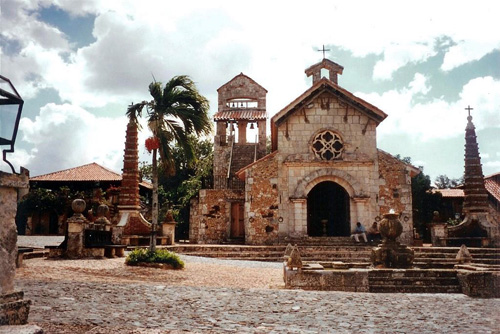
[(242, 132), (300, 217), (76, 228), (13, 309)]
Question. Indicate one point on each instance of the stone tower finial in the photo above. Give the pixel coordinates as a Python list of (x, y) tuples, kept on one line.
[(476, 196), (129, 194), (333, 68)]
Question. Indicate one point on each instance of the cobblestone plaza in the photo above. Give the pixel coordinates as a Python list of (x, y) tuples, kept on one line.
[(222, 296)]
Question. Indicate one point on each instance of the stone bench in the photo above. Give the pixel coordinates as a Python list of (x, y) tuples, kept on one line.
[(114, 250), (20, 255)]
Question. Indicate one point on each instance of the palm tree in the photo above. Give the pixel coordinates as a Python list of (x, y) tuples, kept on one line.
[(175, 112)]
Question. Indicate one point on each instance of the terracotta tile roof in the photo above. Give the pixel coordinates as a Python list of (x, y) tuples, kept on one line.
[(493, 188), (89, 172), (241, 114), (86, 173), (449, 192)]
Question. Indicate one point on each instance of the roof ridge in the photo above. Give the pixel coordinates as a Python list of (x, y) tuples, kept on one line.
[(86, 168), (63, 170)]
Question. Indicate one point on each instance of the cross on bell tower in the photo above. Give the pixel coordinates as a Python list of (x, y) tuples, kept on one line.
[(469, 109), (323, 50)]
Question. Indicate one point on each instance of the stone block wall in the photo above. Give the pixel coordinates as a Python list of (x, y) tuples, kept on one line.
[(10, 184), (241, 86), (210, 215), (327, 112), (395, 193), (137, 225), (221, 164), (261, 204)]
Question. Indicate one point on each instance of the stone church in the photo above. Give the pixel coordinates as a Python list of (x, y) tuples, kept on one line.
[(324, 172)]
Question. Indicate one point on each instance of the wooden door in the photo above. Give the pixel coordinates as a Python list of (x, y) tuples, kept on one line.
[(237, 220)]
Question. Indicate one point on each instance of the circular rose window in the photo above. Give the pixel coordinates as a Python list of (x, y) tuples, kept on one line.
[(327, 145)]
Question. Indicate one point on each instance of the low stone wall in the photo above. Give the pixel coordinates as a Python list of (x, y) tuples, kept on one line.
[(328, 280), (482, 284), (14, 309), (479, 281)]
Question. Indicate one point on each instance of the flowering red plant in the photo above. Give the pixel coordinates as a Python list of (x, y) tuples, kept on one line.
[(152, 143)]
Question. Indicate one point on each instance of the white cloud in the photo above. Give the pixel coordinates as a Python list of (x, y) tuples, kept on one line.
[(467, 51), (493, 164), (399, 55), (482, 95), (437, 118), (66, 136), (212, 41)]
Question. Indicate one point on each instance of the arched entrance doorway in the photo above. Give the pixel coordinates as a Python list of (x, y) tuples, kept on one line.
[(328, 210)]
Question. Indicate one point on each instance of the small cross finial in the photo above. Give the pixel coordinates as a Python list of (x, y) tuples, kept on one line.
[(469, 109), (324, 50)]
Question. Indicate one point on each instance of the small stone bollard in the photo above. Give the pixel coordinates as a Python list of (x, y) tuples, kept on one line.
[(101, 221), (76, 226), (463, 255), (288, 251), (294, 261)]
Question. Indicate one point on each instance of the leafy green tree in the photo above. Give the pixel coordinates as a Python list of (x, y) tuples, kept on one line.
[(444, 182), (176, 111), (176, 191), (424, 201)]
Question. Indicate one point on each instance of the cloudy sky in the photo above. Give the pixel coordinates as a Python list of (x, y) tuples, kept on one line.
[(79, 63)]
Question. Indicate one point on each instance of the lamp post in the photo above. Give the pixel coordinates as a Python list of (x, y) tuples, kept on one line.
[(11, 106)]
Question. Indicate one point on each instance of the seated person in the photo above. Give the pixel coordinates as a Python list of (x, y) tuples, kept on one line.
[(360, 231), (374, 233)]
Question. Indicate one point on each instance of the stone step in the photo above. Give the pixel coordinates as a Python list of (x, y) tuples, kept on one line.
[(454, 250), (415, 289), (448, 254), (414, 281), (438, 258)]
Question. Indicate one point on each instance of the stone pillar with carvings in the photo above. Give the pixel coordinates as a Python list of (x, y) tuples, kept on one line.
[(391, 254), (76, 228), (168, 229), (14, 309)]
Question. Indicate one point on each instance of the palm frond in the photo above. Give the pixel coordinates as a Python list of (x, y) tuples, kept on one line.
[(175, 112), (134, 111)]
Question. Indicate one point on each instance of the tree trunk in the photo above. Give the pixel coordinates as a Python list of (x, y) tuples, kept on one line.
[(154, 213)]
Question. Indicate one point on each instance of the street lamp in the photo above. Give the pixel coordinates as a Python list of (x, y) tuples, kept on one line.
[(11, 106)]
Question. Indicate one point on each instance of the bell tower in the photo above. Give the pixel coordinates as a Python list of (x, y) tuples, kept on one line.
[(241, 111)]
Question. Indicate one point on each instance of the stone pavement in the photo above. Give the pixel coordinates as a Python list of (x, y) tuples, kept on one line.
[(82, 306)]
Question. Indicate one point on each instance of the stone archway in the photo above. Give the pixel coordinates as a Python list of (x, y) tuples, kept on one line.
[(344, 179), (328, 210)]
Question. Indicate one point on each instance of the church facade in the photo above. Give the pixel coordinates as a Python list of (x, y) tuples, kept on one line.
[(324, 172)]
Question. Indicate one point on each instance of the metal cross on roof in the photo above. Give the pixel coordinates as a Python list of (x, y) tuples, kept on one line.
[(324, 50), (469, 109)]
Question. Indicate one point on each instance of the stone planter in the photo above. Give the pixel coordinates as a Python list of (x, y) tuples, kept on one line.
[(391, 254)]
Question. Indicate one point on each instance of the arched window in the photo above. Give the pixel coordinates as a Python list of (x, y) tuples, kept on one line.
[(327, 145)]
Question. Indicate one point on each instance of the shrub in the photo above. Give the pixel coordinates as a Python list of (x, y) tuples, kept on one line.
[(140, 255)]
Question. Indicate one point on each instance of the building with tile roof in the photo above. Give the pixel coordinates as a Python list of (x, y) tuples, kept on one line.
[(324, 174), (91, 179), (452, 199)]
